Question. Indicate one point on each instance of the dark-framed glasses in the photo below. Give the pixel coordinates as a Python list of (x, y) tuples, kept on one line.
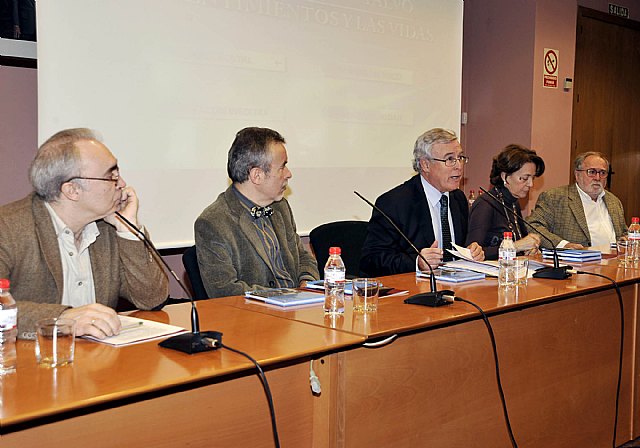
[(451, 161), (592, 172), (115, 178)]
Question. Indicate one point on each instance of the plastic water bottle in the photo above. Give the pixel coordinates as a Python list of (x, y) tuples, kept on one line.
[(472, 197), (506, 261), (334, 278), (8, 328), (634, 239)]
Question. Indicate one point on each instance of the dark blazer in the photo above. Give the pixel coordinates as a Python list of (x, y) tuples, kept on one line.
[(385, 252), (488, 221)]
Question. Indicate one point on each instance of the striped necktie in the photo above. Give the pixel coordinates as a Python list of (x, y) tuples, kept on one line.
[(446, 232)]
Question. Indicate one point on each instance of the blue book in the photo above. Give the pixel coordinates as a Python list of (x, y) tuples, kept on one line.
[(285, 296)]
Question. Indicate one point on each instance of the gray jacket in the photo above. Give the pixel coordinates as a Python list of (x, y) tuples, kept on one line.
[(231, 256)]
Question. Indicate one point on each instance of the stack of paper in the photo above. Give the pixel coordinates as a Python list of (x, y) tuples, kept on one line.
[(135, 331)]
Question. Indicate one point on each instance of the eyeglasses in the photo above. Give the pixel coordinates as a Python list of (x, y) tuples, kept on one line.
[(115, 178), (592, 172), (451, 161)]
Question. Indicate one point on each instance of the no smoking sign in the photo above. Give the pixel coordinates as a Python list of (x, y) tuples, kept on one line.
[(550, 75)]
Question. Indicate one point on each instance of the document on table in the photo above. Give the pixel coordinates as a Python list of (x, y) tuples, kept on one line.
[(136, 331)]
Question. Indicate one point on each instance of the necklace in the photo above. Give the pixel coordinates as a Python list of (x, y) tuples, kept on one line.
[(513, 226)]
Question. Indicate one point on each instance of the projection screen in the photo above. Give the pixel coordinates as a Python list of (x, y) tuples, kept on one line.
[(350, 84)]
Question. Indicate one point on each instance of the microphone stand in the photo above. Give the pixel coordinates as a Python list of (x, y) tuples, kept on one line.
[(554, 273), (434, 297), (195, 341)]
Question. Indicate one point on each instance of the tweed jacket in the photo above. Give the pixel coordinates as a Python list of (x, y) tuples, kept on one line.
[(559, 215), (231, 255), (30, 259), (384, 251)]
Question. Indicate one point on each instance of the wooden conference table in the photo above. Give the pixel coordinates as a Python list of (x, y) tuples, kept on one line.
[(432, 385)]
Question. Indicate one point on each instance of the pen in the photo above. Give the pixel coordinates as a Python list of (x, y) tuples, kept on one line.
[(131, 326)]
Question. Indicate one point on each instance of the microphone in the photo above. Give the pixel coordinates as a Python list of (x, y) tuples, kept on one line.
[(196, 341), (554, 273), (432, 298)]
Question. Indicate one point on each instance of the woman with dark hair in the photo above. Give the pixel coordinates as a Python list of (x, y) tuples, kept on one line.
[(512, 174)]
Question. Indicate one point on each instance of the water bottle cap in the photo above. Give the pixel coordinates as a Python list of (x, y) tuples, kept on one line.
[(335, 251), (508, 235), (4, 283), (635, 220)]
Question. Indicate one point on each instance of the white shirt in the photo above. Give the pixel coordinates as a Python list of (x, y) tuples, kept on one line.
[(77, 275), (433, 198), (78, 288), (598, 219)]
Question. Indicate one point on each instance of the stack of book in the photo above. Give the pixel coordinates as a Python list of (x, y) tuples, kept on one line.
[(573, 255)]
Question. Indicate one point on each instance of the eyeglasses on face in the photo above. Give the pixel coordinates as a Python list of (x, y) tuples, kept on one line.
[(451, 161), (115, 178), (592, 172)]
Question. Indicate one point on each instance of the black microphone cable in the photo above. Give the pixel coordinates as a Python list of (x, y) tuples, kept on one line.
[(485, 319), (621, 306), (267, 390), (211, 339), (434, 292)]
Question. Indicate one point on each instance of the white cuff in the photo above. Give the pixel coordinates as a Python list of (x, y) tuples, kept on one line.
[(128, 235)]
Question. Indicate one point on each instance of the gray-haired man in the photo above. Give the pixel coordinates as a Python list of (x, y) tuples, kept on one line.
[(64, 250)]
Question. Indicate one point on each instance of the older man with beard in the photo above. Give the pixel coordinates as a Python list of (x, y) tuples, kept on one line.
[(582, 214), (247, 238)]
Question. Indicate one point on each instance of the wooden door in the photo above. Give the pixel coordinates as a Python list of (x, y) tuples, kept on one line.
[(606, 100)]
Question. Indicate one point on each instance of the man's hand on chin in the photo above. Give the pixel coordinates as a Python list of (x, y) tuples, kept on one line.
[(128, 207)]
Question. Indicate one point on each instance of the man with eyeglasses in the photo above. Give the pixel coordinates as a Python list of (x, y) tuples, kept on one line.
[(63, 248), (429, 208), (582, 214)]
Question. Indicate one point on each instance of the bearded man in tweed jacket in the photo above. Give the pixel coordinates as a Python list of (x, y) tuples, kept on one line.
[(582, 214), (63, 248)]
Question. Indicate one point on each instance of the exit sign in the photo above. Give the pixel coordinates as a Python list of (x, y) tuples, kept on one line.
[(617, 10)]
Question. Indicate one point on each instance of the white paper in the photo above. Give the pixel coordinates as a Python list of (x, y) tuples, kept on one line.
[(136, 331), (460, 252)]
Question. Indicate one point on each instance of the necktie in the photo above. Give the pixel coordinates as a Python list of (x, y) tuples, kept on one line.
[(446, 232)]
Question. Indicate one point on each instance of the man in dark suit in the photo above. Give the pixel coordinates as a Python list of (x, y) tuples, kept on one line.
[(429, 208)]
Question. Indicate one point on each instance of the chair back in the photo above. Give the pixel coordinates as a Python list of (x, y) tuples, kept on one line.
[(348, 235), (190, 262)]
